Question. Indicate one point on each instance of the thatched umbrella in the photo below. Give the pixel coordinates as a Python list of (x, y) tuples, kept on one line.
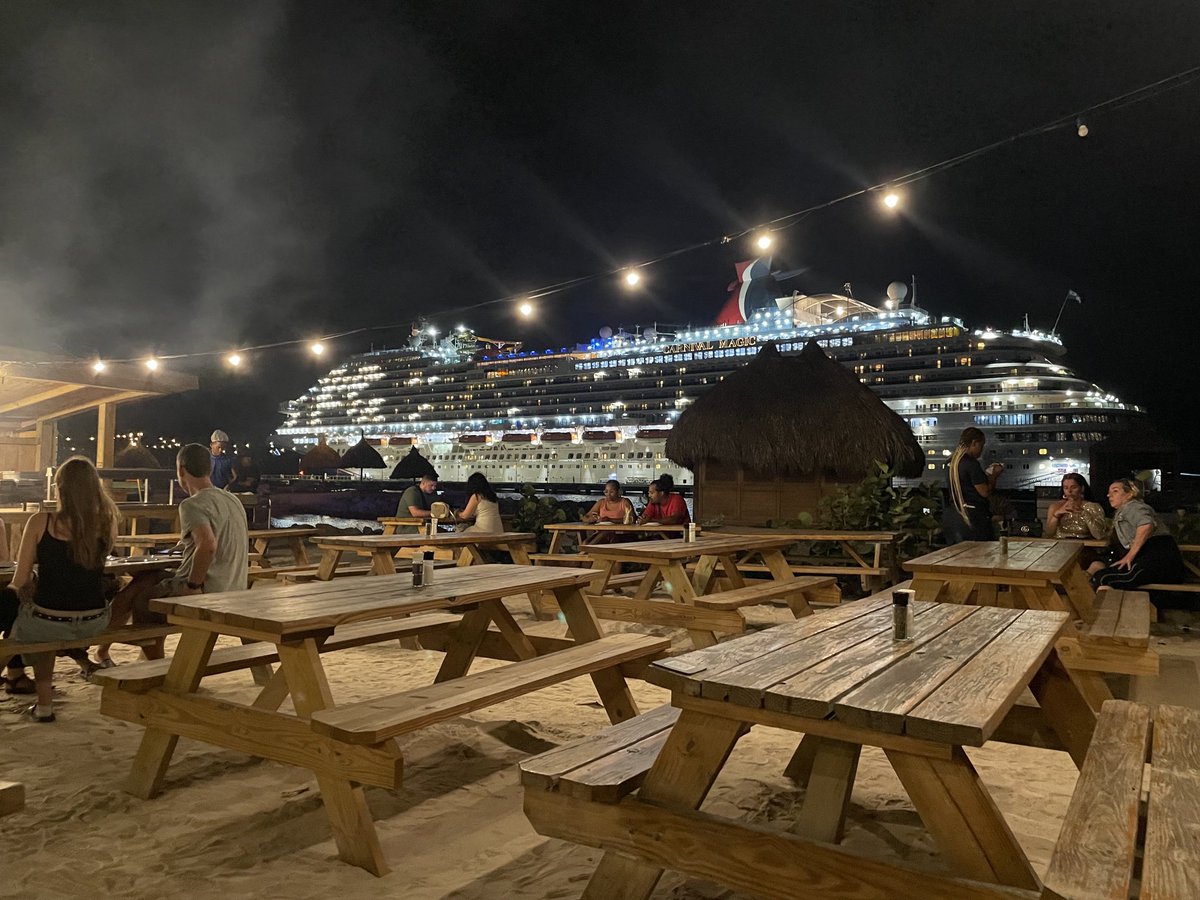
[(135, 456), (283, 462), (794, 416), (414, 466), (362, 456), (320, 458)]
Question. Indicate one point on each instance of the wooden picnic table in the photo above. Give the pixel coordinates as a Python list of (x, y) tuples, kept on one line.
[(384, 548), (114, 565), (559, 530), (974, 571), (392, 524), (352, 745), (667, 561), (877, 568), (841, 680), (260, 540)]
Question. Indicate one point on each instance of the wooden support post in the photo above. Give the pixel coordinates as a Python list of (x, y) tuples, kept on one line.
[(47, 446), (106, 429)]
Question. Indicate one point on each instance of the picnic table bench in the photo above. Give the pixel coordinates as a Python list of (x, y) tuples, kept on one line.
[(260, 541), (713, 554), (877, 566), (350, 745), (841, 680), (559, 531)]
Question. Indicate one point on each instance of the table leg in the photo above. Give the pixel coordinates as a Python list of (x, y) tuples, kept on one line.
[(1064, 706), (869, 582), (299, 551), (830, 783), (780, 570), (345, 802), (929, 588), (732, 572), (962, 817), (1041, 596), (1079, 589), (510, 630), (702, 578), (677, 582), (648, 583), (261, 546), (799, 767), (520, 557), (584, 626), (464, 644), (680, 778), (606, 566), (556, 538), (329, 562), (382, 563), (157, 746)]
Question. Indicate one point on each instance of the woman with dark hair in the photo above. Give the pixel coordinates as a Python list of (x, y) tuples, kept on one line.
[(483, 507), (66, 601), (968, 516), (1143, 550), (612, 507), (1075, 515)]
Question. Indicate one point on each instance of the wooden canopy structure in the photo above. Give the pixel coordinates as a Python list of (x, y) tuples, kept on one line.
[(39, 389), (782, 431)]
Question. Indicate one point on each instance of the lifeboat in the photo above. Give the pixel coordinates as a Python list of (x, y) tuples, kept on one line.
[(653, 434), (518, 437), (474, 438), (551, 437), (601, 436)]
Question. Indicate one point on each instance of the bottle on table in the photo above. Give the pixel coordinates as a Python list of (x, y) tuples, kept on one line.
[(427, 568), (418, 569), (1004, 538), (902, 613)]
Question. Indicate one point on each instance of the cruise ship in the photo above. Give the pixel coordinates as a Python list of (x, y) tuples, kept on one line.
[(582, 414)]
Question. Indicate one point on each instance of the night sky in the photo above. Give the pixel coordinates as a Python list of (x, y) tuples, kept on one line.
[(182, 177)]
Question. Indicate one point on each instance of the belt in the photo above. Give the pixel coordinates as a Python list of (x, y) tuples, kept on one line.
[(86, 615)]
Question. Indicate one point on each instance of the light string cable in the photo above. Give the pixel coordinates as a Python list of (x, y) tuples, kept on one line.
[(1072, 119)]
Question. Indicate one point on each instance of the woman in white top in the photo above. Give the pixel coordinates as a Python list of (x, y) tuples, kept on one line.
[(482, 508)]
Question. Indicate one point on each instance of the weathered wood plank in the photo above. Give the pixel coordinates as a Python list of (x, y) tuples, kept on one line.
[(1094, 856), (1171, 868), (968, 706)]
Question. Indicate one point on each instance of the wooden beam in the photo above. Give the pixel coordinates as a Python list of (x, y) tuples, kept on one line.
[(47, 452), (32, 399), (63, 412), (106, 429)]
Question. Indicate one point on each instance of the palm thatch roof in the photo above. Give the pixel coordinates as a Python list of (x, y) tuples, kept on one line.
[(320, 457), (362, 456), (413, 466), (285, 462), (804, 415), (135, 456)]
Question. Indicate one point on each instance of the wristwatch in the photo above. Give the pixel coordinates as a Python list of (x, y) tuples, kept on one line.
[(193, 586)]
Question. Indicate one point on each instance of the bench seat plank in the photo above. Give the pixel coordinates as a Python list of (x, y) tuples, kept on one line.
[(571, 767), (1094, 856), (373, 721), (1190, 587), (560, 559), (1133, 629), (760, 592), (125, 634), (1172, 859), (143, 676)]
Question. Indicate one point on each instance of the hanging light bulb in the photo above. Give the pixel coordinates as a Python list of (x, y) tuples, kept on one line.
[(152, 364), (99, 366), (764, 241), (234, 359), (316, 348), (891, 199), (525, 308), (632, 278), (1081, 128)]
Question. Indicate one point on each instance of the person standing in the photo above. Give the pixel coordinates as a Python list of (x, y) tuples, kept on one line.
[(221, 470), (416, 502), (968, 516), (215, 548)]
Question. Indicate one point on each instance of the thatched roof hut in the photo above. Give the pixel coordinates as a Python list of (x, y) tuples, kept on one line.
[(135, 456), (413, 466), (794, 416), (282, 462), (362, 456), (320, 458)]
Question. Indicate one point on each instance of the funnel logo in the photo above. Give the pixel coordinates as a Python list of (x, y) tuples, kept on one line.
[(754, 289)]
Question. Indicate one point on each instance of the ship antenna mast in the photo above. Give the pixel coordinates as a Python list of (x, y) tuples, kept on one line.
[(1071, 295)]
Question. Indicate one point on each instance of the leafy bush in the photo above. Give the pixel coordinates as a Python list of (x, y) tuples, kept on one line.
[(876, 504), (534, 513)]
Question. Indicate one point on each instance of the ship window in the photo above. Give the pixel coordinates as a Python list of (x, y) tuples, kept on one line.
[(1042, 451)]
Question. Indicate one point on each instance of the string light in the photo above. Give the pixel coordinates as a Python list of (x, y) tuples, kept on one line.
[(152, 364), (632, 277), (98, 366), (234, 359), (764, 241)]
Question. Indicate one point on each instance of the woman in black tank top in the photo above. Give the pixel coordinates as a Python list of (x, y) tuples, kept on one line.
[(66, 602)]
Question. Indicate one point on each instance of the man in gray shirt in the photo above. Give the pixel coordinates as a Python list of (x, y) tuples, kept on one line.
[(214, 541), (416, 502)]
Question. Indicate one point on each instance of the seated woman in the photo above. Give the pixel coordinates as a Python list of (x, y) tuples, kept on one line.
[(15, 679), (483, 507), (1076, 515), (612, 508), (666, 506), (66, 601), (1144, 551)]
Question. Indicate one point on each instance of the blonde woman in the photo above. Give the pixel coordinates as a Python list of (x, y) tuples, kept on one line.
[(1143, 550), (66, 600)]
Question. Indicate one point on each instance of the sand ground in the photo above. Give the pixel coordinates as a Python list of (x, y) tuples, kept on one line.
[(228, 825)]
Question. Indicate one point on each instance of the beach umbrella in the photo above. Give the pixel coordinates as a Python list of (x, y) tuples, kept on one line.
[(804, 415), (413, 466), (135, 456), (362, 456)]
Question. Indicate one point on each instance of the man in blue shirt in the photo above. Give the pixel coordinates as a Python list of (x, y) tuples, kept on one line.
[(222, 462)]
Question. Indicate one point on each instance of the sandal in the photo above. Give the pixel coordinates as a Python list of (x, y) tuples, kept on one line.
[(33, 714), (22, 684)]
